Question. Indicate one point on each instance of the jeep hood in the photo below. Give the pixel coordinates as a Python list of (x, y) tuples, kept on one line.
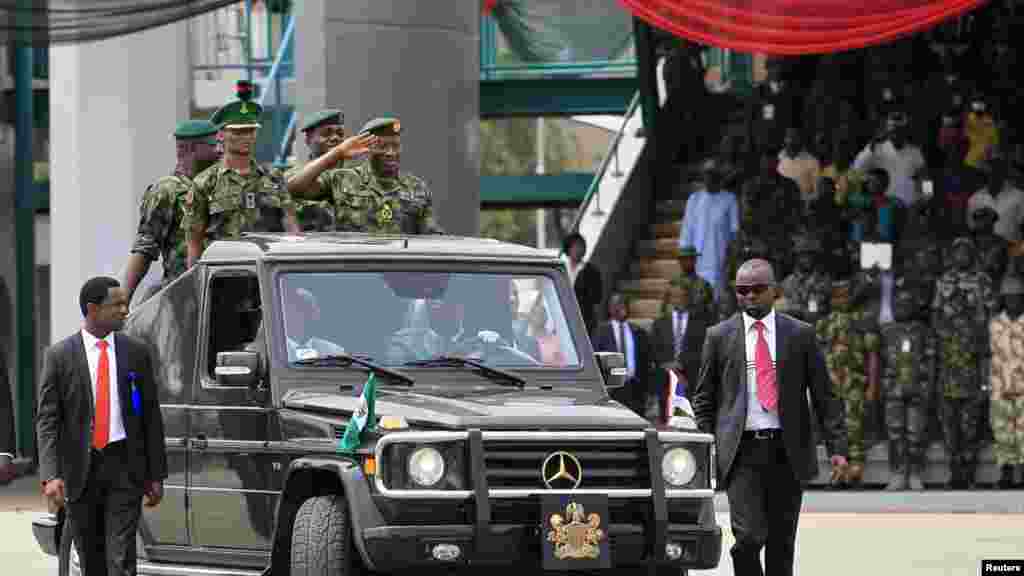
[(495, 410)]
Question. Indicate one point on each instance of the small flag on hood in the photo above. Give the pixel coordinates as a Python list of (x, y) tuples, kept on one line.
[(680, 412), (364, 418)]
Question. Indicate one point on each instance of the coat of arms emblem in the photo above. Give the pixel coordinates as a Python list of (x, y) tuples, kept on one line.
[(576, 535)]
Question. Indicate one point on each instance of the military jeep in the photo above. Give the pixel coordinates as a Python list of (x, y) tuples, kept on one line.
[(490, 440)]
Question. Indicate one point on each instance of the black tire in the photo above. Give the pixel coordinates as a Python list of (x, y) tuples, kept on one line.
[(66, 547), (322, 539)]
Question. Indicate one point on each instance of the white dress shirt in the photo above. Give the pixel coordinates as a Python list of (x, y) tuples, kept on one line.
[(679, 321), (630, 348), (757, 417), (92, 355)]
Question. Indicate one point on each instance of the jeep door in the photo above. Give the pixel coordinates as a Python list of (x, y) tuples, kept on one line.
[(231, 471)]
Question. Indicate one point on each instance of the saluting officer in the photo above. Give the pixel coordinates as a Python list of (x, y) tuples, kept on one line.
[(160, 234), (374, 196), (236, 194), (323, 130)]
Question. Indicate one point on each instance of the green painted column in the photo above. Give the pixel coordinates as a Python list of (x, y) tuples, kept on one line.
[(24, 231)]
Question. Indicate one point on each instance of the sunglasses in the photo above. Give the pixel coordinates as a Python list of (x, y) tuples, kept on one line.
[(754, 289)]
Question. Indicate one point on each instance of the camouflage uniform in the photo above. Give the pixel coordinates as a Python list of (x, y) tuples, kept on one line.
[(807, 295), (365, 203), (1007, 394), (962, 302), (313, 215), (160, 233), (908, 371), (233, 203), (847, 348)]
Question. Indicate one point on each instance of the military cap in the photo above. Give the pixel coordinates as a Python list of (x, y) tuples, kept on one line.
[(898, 120), (323, 118), (386, 126), (240, 113), (190, 129), (806, 244), (1012, 284), (688, 251)]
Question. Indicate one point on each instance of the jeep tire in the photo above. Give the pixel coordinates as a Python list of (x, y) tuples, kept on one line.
[(322, 539)]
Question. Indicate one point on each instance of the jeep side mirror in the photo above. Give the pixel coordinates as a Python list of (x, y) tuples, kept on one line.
[(238, 369), (613, 369)]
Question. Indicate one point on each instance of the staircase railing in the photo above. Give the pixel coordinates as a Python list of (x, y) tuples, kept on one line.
[(594, 191), (282, 117)]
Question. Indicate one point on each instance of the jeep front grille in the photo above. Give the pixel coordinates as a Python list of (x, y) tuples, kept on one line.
[(620, 464)]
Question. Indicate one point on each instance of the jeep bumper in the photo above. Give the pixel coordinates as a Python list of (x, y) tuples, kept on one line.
[(395, 547)]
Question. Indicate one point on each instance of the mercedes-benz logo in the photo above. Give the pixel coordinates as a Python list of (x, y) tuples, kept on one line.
[(561, 471)]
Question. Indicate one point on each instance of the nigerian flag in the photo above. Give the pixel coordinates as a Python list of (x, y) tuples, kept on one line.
[(362, 419)]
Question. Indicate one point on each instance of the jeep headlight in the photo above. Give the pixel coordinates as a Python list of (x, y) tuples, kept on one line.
[(426, 466), (678, 466)]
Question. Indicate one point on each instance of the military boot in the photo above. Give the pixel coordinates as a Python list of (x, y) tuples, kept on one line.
[(969, 469), (914, 482), (1006, 477), (1020, 474)]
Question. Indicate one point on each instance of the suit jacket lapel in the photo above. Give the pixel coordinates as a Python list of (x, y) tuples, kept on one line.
[(783, 341), (80, 368), (739, 351), (122, 378)]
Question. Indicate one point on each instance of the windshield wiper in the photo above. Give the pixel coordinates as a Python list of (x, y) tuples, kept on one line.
[(496, 374), (349, 359)]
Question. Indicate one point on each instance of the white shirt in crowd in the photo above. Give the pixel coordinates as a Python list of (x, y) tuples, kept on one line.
[(902, 165)]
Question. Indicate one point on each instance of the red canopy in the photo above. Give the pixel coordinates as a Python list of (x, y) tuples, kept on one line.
[(793, 27)]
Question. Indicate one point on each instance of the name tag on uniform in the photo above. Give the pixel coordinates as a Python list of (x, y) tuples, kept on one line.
[(906, 345), (769, 111), (250, 200), (812, 306)]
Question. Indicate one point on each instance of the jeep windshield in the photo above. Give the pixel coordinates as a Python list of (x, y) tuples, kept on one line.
[(402, 319)]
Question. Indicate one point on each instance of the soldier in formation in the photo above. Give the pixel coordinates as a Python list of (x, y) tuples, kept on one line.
[(908, 373), (808, 290), (236, 194), (160, 233), (1007, 393), (962, 304), (848, 348), (375, 196)]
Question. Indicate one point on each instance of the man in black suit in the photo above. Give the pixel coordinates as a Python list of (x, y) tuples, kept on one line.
[(100, 432), (677, 337), (7, 437), (756, 371), (619, 335)]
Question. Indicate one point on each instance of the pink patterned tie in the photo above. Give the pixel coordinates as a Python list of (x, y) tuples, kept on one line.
[(767, 392)]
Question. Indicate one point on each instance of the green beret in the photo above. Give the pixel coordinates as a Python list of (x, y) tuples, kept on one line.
[(322, 118), (688, 251), (240, 113), (190, 129), (962, 241), (382, 127)]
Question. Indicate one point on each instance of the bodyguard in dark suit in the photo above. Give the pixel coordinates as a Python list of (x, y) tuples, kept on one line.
[(677, 337), (619, 335), (756, 372), (7, 437), (100, 432)]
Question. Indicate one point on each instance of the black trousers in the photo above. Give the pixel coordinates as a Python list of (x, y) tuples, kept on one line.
[(764, 506), (105, 518)]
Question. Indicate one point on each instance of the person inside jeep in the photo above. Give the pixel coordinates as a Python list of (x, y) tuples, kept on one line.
[(301, 313)]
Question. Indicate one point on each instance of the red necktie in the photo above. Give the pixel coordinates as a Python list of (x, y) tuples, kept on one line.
[(767, 392), (101, 428)]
